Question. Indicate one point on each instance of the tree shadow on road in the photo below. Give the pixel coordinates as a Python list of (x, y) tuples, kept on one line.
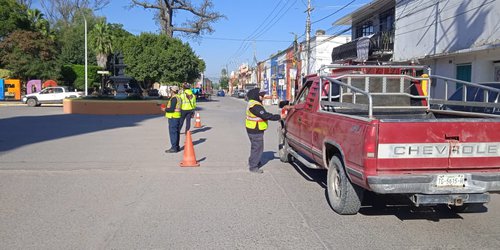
[(20, 131)]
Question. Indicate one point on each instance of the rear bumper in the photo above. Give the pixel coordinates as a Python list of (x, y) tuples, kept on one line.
[(426, 184)]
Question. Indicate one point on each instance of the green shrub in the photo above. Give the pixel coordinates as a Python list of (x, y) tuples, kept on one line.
[(74, 75), (4, 73)]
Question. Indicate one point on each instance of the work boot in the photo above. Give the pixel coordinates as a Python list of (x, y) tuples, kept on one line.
[(172, 150), (256, 170)]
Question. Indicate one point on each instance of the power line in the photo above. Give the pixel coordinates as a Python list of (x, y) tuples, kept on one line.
[(268, 27), (240, 39), (279, 15), (256, 30), (335, 12)]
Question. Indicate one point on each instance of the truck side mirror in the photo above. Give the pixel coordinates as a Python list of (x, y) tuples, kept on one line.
[(283, 104)]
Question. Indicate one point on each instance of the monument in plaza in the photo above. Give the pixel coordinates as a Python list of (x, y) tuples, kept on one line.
[(118, 78)]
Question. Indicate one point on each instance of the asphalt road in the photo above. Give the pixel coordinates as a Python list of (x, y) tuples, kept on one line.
[(104, 182)]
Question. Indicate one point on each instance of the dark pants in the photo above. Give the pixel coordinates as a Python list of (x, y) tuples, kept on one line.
[(256, 149), (174, 132), (186, 115)]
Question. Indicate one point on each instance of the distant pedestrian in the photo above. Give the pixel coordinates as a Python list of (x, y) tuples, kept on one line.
[(256, 124), (173, 113), (188, 106)]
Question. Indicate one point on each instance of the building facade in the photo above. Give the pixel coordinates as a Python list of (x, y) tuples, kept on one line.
[(456, 39), (281, 74)]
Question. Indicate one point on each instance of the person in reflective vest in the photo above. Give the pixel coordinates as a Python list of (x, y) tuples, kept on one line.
[(188, 106), (173, 113), (256, 124)]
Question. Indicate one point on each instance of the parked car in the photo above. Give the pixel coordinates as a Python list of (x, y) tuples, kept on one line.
[(50, 95), (242, 93), (475, 94), (221, 93)]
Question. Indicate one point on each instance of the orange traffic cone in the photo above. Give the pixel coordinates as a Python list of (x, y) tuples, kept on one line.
[(197, 121), (189, 159)]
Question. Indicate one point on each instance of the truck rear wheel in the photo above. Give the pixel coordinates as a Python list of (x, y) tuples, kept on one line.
[(283, 146), (344, 197)]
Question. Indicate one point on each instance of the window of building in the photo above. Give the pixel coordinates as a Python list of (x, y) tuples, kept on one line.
[(364, 29), (387, 20)]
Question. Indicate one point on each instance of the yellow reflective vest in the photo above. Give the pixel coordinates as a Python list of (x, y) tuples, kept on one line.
[(186, 103), (252, 120), (177, 111)]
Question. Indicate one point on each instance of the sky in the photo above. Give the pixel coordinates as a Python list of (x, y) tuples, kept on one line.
[(257, 27)]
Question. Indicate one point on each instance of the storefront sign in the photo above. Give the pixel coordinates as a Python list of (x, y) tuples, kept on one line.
[(33, 86), (2, 92), (12, 89)]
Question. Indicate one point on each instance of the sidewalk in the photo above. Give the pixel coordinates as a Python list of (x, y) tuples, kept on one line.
[(11, 103)]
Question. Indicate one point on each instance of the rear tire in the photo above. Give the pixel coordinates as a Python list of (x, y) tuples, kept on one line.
[(283, 146), (32, 102), (345, 197)]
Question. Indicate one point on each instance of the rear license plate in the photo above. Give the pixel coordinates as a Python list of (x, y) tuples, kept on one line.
[(450, 180)]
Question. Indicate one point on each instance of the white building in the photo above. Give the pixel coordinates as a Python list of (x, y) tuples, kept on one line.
[(321, 50), (458, 39)]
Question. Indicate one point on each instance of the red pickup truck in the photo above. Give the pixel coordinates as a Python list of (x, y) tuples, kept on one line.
[(374, 129)]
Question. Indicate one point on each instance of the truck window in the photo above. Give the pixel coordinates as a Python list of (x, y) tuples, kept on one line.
[(58, 90)]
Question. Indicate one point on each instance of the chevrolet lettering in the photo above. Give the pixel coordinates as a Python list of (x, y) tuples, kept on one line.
[(438, 150)]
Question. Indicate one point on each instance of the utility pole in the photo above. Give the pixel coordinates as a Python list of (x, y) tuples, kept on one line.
[(86, 56), (308, 35)]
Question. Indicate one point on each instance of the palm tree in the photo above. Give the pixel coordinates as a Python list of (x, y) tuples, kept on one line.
[(38, 22), (102, 43)]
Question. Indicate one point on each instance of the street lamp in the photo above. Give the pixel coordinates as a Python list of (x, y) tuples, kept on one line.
[(86, 66), (86, 60)]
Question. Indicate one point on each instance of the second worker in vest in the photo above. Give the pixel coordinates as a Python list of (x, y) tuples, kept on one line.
[(256, 124), (173, 113), (188, 106)]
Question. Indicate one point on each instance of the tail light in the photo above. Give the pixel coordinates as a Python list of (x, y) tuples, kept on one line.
[(370, 145)]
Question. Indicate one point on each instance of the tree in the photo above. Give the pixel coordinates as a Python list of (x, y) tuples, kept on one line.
[(119, 34), (12, 17), (72, 40), (224, 79), (203, 17), (102, 43), (29, 54), (151, 58), (38, 22), (65, 10), (26, 3)]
